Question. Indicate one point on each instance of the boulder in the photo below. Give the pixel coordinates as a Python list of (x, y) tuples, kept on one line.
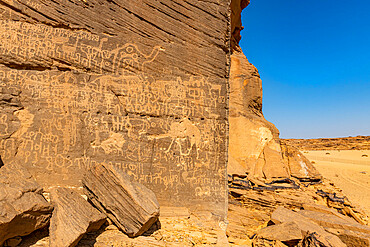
[(73, 216), (23, 209), (130, 205)]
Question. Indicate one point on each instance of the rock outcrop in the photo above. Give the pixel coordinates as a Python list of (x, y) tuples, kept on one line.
[(142, 85), (131, 206), (141, 97), (72, 217), (23, 209)]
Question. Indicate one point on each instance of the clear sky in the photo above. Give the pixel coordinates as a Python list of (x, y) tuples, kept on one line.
[(314, 62)]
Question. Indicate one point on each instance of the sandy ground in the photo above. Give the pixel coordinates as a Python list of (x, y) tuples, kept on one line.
[(349, 170)]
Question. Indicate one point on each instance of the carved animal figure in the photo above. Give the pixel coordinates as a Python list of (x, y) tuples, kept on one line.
[(113, 143), (178, 132), (129, 59)]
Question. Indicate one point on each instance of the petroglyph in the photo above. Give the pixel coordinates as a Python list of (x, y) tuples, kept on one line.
[(3, 125), (91, 99), (26, 119), (113, 144), (180, 132), (130, 59)]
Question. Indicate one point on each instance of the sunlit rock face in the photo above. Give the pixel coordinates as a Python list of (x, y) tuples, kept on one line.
[(142, 85), (254, 144)]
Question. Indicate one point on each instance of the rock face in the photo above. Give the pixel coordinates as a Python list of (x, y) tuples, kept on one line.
[(22, 207), (72, 217), (131, 206), (138, 84)]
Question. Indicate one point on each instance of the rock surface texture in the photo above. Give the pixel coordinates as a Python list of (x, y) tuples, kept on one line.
[(23, 209), (130, 205), (141, 85), (72, 217)]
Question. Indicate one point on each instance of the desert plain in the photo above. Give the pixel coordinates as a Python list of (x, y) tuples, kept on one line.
[(343, 161), (347, 169)]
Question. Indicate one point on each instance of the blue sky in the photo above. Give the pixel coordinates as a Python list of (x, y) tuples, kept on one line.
[(314, 62)]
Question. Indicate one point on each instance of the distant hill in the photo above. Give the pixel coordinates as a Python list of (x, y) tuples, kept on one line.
[(344, 143)]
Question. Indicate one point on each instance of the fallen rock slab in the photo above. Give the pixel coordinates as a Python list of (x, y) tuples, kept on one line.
[(283, 215), (285, 232), (332, 221), (351, 238), (347, 229), (131, 206), (73, 216), (23, 209)]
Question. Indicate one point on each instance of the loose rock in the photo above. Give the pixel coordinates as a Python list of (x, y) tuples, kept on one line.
[(131, 206), (285, 232), (282, 215), (22, 207), (73, 216)]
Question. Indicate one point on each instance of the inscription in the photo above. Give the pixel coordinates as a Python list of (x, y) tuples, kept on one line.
[(166, 133)]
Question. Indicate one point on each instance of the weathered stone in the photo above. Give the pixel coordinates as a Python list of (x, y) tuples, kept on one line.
[(130, 205), (285, 232), (351, 238), (282, 215), (140, 84), (332, 221), (72, 217), (22, 207), (299, 166)]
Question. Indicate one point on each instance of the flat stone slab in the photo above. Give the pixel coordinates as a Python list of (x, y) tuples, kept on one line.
[(72, 217), (288, 231), (283, 215), (130, 205)]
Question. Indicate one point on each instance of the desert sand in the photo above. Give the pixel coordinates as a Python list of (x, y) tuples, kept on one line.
[(347, 169)]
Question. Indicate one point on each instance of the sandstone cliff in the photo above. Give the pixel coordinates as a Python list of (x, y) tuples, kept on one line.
[(141, 85)]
